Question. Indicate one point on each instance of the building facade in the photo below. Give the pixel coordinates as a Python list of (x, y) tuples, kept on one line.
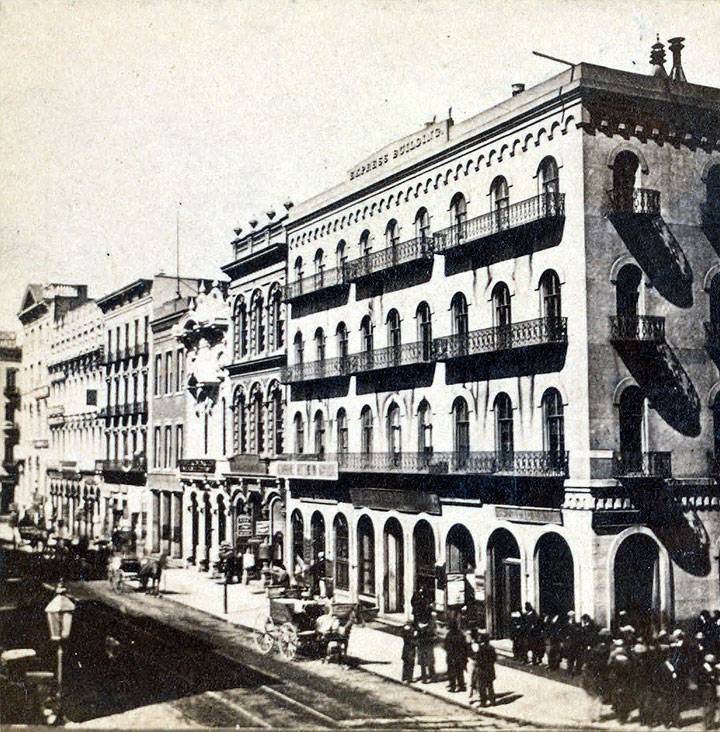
[(10, 357), (75, 428), (501, 388), (235, 338), (42, 306)]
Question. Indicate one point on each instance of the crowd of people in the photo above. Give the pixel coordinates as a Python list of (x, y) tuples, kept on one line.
[(656, 672)]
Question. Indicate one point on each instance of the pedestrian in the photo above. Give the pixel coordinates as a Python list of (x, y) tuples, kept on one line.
[(518, 637), (456, 654), (595, 675), (707, 687), (642, 676), (535, 641), (472, 651), (553, 643), (409, 648), (587, 637), (571, 640), (677, 664), (426, 652), (421, 606), (621, 681), (485, 660)]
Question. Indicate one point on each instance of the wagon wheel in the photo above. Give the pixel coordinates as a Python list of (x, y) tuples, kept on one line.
[(288, 641), (264, 633)]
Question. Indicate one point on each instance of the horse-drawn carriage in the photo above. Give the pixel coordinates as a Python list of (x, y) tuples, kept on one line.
[(306, 626)]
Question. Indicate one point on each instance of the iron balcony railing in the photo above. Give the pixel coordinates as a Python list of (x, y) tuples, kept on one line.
[(642, 465), (712, 335), (546, 206), (520, 463), (643, 201), (405, 354), (393, 256), (637, 329), (501, 338), (137, 464), (313, 283)]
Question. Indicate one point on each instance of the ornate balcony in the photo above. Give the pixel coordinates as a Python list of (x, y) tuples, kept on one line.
[(641, 465), (712, 336), (537, 464), (648, 329), (406, 354), (314, 283), (636, 201), (137, 464), (196, 465), (542, 331), (513, 219), (138, 407), (413, 250)]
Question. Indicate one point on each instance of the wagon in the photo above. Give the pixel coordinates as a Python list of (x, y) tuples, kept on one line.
[(123, 570)]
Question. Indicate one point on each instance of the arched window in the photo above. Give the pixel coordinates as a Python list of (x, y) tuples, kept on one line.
[(504, 437), (366, 334), (458, 215), (425, 443), (458, 306), (366, 426), (257, 327), (342, 432), (553, 423), (424, 326), (299, 434), (422, 224), (548, 176), (276, 406), (550, 291), (240, 324), (341, 254), (392, 234), (275, 317), (393, 331), (366, 556), (319, 426), (631, 413), (461, 430), (320, 344), (342, 552), (258, 421), (299, 348), (394, 432), (503, 316), (365, 245), (319, 262), (298, 268), (341, 335), (627, 297), (500, 201), (239, 427), (298, 536), (626, 167)]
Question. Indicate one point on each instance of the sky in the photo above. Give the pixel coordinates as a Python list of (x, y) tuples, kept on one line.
[(118, 115)]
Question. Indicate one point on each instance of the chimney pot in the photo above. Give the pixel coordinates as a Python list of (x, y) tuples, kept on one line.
[(676, 47), (517, 89), (657, 58)]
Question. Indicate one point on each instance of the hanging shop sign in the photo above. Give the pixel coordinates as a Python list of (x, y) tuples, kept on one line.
[(384, 499), (262, 528), (455, 589), (243, 527)]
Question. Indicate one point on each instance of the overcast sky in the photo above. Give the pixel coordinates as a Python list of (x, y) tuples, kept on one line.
[(115, 112)]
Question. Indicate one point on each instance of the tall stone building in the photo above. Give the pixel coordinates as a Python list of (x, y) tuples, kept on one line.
[(10, 356), (42, 307), (502, 357)]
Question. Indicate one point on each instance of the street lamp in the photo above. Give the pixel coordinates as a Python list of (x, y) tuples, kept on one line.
[(59, 613)]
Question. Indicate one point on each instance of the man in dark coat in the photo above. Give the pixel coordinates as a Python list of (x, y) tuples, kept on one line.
[(553, 642), (485, 667), (421, 606), (409, 636), (595, 674), (456, 653), (621, 680), (426, 652), (536, 643), (518, 636), (707, 680), (571, 643)]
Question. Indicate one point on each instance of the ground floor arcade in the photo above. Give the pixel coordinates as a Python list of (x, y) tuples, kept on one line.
[(492, 559)]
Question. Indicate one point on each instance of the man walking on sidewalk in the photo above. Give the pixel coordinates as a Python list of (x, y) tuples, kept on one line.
[(485, 669)]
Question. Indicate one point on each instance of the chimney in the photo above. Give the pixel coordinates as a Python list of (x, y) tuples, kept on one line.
[(676, 47), (657, 59), (517, 89)]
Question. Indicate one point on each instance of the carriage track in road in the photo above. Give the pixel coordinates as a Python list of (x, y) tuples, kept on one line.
[(211, 674)]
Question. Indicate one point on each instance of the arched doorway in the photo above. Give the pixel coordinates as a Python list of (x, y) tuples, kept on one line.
[(504, 595), (366, 556), (555, 575), (425, 558), (394, 564), (460, 571), (298, 539), (637, 581), (317, 550), (195, 526)]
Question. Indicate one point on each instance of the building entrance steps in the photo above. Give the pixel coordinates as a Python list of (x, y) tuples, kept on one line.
[(522, 698)]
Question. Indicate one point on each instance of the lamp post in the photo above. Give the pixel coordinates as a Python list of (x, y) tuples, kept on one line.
[(59, 613)]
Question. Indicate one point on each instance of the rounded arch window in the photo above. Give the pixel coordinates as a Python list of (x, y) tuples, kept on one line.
[(299, 433), (319, 425), (422, 224), (423, 316), (341, 253), (366, 426), (320, 344), (366, 334), (627, 294), (425, 441), (392, 234), (299, 347), (459, 308), (632, 418), (550, 292), (298, 267), (504, 432), (342, 431), (626, 168), (341, 335), (341, 540), (501, 305), (394, 431), (393, 329), (461, 428), (458, 212), (553, 422), (365, 245), (548, 176)]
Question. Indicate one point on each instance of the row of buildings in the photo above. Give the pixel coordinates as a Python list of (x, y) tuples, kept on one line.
[(485, 363)]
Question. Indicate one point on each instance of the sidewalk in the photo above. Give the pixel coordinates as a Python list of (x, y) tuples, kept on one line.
[(523, 698)]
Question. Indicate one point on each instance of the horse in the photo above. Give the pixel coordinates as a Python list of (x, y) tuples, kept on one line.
[(151, 572)]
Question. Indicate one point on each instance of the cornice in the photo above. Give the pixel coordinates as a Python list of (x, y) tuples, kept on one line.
[(264, 363)]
